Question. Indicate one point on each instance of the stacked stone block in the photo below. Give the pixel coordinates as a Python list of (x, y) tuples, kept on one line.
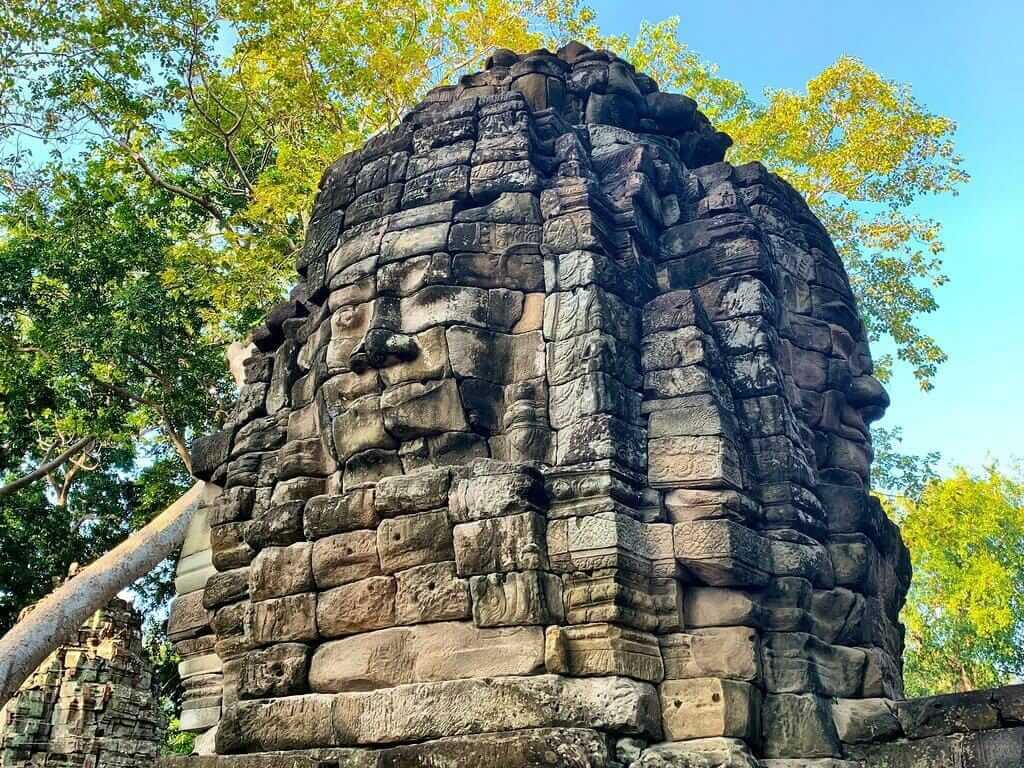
[(90, 704), (198, 586), (560, 448)]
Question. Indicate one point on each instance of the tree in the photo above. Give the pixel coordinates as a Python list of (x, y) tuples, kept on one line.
[(115, 350), (895, 474), (39, 539), (965, 610)]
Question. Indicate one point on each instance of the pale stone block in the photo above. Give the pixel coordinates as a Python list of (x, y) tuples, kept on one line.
[(283, 619), (276, 671), (188, 618), (431, 592), (487, 496), (280, 571), (727, 652), (193, 571), (360, 427), (197, 535), (434, 710), (290, 722), (199, 719), (418, 491), (411, 540), (716, 607), (578, 747), (344, 558), (718, 752), (418, 409), (205, 664), (705, 707), (357, 607)]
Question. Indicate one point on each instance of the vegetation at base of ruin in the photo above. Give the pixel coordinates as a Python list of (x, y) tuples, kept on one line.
[(965, 611), (178, 742), (157, 166)]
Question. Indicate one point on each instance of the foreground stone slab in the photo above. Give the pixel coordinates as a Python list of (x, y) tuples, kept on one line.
[(434, 710), (699, 753), (555, 747), (983, 749)]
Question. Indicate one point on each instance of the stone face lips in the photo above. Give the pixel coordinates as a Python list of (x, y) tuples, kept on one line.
[(565, 426), (425, 653)]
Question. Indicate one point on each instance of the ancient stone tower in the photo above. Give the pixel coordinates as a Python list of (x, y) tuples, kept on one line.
[(90, 704), (558, 455)]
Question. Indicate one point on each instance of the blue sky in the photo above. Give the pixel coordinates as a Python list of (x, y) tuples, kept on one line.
[(965, 61)]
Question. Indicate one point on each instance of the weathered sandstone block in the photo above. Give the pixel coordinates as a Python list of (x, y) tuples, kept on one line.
[(425, 653)]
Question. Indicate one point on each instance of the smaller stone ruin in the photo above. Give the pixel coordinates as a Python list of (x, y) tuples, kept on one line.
[(91, 704)]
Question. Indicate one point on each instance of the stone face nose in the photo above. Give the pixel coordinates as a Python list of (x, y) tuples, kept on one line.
[(381, 348), (867, 394)]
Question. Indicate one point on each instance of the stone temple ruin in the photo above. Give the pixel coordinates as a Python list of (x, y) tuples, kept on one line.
[(91, 704), (558, 455)]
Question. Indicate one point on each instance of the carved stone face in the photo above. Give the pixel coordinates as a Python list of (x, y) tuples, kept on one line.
[(443, 335), (561, 397)]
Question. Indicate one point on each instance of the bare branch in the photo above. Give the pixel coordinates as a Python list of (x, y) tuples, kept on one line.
[(44, 469)]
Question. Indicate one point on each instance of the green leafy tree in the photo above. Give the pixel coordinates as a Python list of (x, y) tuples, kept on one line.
[(895, 474), (965, 610), (114, 350)]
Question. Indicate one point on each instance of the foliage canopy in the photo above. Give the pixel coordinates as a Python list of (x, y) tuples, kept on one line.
[(965, 612)]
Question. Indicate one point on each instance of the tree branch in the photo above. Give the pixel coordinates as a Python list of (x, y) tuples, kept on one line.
[(200, 200), (58, 616), (44, 469)]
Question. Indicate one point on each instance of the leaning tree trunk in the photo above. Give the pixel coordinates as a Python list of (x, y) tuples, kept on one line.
[(56, 618)]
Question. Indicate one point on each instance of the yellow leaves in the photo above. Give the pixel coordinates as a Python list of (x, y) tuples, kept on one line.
[(852, 134), (964, 610), (966, 538)]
